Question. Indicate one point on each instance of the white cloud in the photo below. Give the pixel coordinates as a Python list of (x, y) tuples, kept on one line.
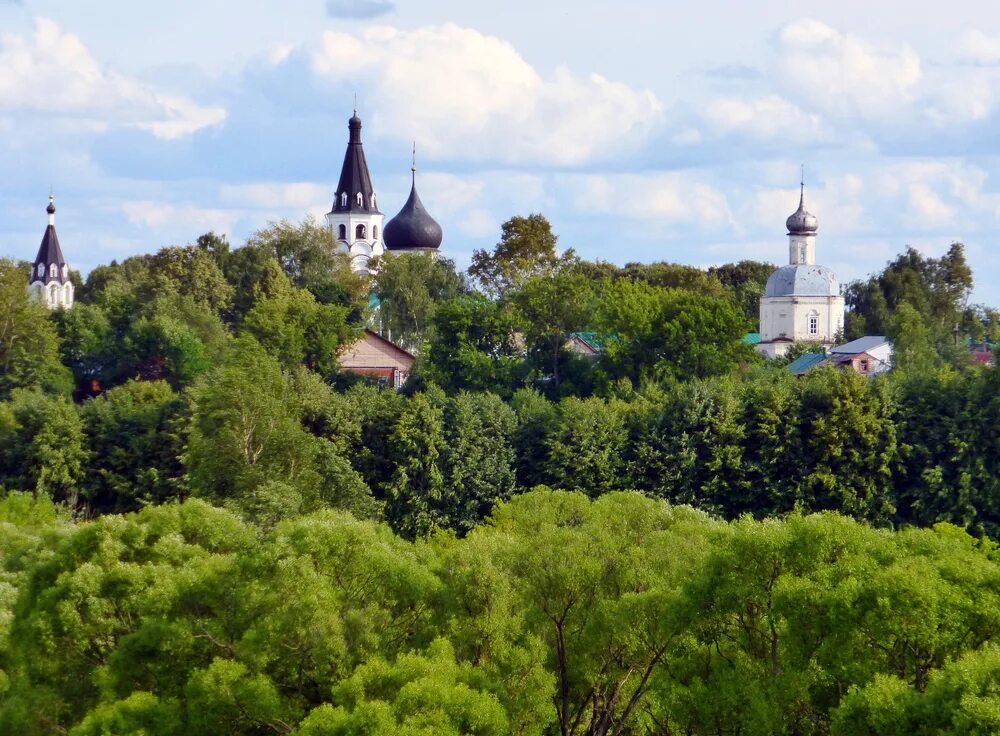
[(768, 117), (980, 47), (53, 72), (461, 93), (276, 196), (844, 75), (170, 218), (671, 198)]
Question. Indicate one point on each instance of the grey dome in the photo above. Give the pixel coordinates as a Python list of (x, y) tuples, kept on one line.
[(802, 281), (802, 222)]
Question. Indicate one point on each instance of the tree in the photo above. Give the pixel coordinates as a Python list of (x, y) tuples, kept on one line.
[(552, 308), (585, 449), (472, 347), (668, 334), (135, 438), (42, 446), (527, 249), (310, 259), (297, 330), (913, 349), (29, 348), (410, 286), (246, 445), (478, 458)]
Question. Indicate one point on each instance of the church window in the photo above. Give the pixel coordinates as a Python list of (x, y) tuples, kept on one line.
[(359, 232), (67, 294), (373, 198), (813, 325), (41, 269), (53, 271), (53, 295), (360, 200), (65, 271), (374, 229), (342, 232), (802, 255), (343, 199)]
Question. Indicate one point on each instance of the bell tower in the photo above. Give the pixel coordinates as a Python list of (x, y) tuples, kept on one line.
[(354, 219)]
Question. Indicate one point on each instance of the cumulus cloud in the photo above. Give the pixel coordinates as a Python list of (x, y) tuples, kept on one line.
[(465, 94), (765, 117), (168, 218), (358, 9), (671, 198), (845, 75), (54, 73), (980, 48)]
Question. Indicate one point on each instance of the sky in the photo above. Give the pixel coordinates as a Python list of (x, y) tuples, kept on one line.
[(643, 130)]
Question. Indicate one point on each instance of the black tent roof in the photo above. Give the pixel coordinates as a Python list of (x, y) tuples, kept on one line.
[(354, 176)]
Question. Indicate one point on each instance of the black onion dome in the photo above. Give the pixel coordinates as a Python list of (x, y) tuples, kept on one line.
[(802, 222), (412, 228)]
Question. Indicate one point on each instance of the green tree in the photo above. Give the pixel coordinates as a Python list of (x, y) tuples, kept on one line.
[(42, 446), (410, 286), (527, 249), (29, 347), (551, 308), (473, 346), (135, 438), (585, 449)]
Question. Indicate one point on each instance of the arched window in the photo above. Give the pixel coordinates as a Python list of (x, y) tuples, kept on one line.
[(41, 270), (65, 271), (374, 232), (53, 271), (342, 232), (373, 199), (359, 231), (802, 254), (813, 324), (53, 295), (361, 202), (68, 294)]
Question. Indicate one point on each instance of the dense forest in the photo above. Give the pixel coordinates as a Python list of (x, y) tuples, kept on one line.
[(206, 528)]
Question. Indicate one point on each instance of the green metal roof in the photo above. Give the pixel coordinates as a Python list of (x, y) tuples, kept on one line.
[(751, 338), (804, 362)]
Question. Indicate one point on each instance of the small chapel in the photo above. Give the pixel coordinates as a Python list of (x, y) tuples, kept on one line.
[(49, 280), (802, 301), (355, 220)]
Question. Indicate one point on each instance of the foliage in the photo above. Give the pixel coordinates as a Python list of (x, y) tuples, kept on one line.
[(527, 249), (410, 286)]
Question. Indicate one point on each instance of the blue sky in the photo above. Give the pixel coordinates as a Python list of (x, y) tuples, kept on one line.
[(643, 130)]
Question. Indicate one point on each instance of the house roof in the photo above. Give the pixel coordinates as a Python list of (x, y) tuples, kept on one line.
[(591, 339), (751, 338), (804, 362), (861, 345)]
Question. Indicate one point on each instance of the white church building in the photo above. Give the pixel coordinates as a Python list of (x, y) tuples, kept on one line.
[(355, 220), (802, 301)]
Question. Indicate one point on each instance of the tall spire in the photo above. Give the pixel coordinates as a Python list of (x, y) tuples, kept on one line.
[(802, 186), (355, 192)]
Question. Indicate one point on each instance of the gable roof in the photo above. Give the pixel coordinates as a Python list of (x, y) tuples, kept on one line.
[(861, 345)]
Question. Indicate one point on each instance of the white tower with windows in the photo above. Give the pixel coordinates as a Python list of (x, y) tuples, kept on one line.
[(49, 279), (355, 220), (802, 301)]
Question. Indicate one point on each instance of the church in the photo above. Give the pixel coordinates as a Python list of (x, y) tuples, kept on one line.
[(355, 220), (49, 280), (802, 301)]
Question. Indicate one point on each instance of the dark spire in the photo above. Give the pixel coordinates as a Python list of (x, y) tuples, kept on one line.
[(354, 176), (413, 228), (49, 252)]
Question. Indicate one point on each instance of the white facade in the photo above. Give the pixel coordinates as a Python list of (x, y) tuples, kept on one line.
[(54, 294), (802, 301), (359, 235)]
